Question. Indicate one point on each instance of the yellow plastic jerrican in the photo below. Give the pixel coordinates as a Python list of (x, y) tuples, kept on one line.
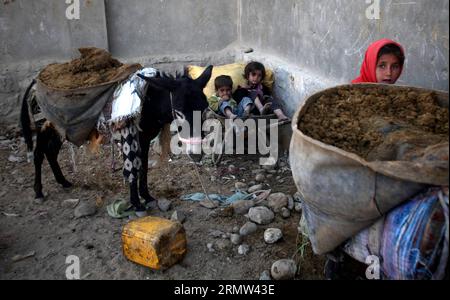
[(154, 242)]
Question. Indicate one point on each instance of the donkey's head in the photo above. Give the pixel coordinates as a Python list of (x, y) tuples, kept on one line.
[(186, 103)]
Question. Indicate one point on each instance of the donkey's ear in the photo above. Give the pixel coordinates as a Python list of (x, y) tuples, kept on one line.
[(203, 80), (161, 83)]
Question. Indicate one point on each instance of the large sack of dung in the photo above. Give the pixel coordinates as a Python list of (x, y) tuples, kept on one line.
[(72, 95), (358, 151)]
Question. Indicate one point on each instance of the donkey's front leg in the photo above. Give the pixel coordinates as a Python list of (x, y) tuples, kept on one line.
[(140, 209), (144, 141)]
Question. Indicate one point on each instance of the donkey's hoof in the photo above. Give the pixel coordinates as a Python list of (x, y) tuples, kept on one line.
[(140, 211), (39, 200), (141, 214), (67, 185), (147, 198)]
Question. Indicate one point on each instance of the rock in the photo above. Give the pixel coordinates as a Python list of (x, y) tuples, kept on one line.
[(265, 276), (291, 202), (251, 183), (298, 207), (285, 213), (164, 204), (241, 207), (281, 181), (213, 178), (255, 188), (284, 269), (236, 239), (223, 244), (248, 229), (260, 178), (272, 235), (269, 176), (282, 164), (210, 247), (241, 186), (272, 172), (178, 216), (152, 205), (278, 201), (244, 249), (261, 215), (235, 229), (269, 167), (85, 209)]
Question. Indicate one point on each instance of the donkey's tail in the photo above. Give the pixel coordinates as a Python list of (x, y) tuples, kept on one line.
[(25, 120)]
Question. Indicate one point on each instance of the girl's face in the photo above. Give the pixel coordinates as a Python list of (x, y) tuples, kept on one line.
[(224, 93), (388, 69), (255, 78)]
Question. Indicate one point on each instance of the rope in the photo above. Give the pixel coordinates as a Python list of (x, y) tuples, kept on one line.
[(203, 186)]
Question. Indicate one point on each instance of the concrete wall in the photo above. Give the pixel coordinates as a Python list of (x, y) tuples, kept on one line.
[(168, 27), (323, 42), (39, 29)]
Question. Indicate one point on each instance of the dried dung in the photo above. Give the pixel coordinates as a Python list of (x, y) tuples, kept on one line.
[(378, 124), (94, 67)]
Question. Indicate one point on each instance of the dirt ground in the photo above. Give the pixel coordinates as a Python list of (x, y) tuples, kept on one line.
[(50, 231)]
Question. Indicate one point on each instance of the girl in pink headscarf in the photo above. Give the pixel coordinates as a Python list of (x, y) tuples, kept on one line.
[(383, 63)]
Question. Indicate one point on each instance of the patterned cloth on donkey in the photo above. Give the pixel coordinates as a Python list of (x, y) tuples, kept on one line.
[(122, 115)]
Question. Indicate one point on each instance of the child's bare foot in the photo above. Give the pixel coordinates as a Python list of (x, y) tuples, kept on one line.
[(229, 114), (247, 112), (282, 118), (232, 116), (265, 109)]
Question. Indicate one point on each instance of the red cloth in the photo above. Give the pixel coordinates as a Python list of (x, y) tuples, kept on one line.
[(369, 66)]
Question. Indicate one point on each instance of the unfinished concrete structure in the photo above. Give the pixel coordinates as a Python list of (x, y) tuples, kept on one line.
[(311, 45)]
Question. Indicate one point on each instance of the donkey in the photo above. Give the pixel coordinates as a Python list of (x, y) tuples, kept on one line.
[(165, 99)]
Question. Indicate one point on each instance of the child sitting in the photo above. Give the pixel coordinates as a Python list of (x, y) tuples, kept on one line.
[(259, 94), (383, 63), (223, 103)]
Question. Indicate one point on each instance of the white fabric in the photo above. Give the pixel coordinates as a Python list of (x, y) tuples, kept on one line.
[(126, 102)]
